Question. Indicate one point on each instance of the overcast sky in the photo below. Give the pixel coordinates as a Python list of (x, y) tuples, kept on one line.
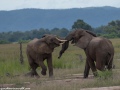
[(55, 4)]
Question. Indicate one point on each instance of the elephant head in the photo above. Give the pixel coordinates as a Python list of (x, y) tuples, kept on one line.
[(52, 40), (79, 37)]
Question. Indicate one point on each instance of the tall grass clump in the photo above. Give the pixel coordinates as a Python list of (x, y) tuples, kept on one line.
[(9, 60), (12, 68), (105, 75)]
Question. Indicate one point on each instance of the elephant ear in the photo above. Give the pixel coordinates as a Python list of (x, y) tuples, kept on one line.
[(83, 40), (44, 48), (46, 38)]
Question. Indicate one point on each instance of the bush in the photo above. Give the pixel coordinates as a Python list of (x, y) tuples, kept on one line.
[(105, 75), (23, 41), (4, 42)]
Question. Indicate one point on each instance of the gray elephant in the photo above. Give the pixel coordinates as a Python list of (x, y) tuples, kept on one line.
[(40, 49), (97, 49)]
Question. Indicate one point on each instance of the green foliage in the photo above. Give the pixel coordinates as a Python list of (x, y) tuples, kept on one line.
[(115, 23), (8, 68), (23, 41), (59, 32), (112, 30), (9, 60), (4, 42), (6, 37), (112, 35), (81, 24), (105, 75)]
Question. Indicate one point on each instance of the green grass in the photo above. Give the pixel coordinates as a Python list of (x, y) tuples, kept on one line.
[(9, 60), (11, 71)]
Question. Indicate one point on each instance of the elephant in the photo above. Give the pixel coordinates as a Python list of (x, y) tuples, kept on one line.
[(97, 49), (40, 49)]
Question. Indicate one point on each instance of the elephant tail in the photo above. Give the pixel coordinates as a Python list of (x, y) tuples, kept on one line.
[(110, 61)]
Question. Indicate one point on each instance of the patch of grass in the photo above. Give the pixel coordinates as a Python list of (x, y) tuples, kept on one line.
[(105, 75), (12, 67), (9, 62)]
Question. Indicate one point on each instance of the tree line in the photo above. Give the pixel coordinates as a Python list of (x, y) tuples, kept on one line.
[(8, 37), (112, 30)]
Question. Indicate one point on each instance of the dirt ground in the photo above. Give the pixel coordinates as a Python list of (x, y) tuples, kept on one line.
[(103, 88), (68, 80)]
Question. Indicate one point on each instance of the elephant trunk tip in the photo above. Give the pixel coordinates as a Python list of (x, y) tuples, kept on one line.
[(60, 54)]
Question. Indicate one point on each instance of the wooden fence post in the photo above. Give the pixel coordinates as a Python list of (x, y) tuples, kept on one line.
[(21, 56)]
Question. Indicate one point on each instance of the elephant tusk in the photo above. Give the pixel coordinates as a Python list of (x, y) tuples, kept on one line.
[(61, 40), (62, 43)]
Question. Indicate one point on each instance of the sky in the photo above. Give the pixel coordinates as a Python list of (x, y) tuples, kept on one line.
[(55, 4)]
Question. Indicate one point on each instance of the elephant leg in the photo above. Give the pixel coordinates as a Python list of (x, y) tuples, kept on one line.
[(50, 66), (33, 71), (87, 69), (33, 67), (100, 63), (44, 68), (92, 66)]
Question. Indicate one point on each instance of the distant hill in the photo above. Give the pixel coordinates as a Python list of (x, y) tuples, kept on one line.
[(28, 19)]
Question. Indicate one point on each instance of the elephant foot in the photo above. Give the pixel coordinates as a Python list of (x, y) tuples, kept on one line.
[(43, 73), (85, 76)]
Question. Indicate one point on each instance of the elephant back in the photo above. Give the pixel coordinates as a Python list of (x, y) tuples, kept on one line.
[(38, 46)]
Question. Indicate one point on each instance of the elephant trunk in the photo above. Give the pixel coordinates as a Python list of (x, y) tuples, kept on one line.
[(65, 45)]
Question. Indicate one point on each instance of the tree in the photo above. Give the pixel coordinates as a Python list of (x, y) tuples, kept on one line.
[(112, 30), (81, 24), (113, 27), (55, 31), (63, 32), (60, 32), (114, 23)]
